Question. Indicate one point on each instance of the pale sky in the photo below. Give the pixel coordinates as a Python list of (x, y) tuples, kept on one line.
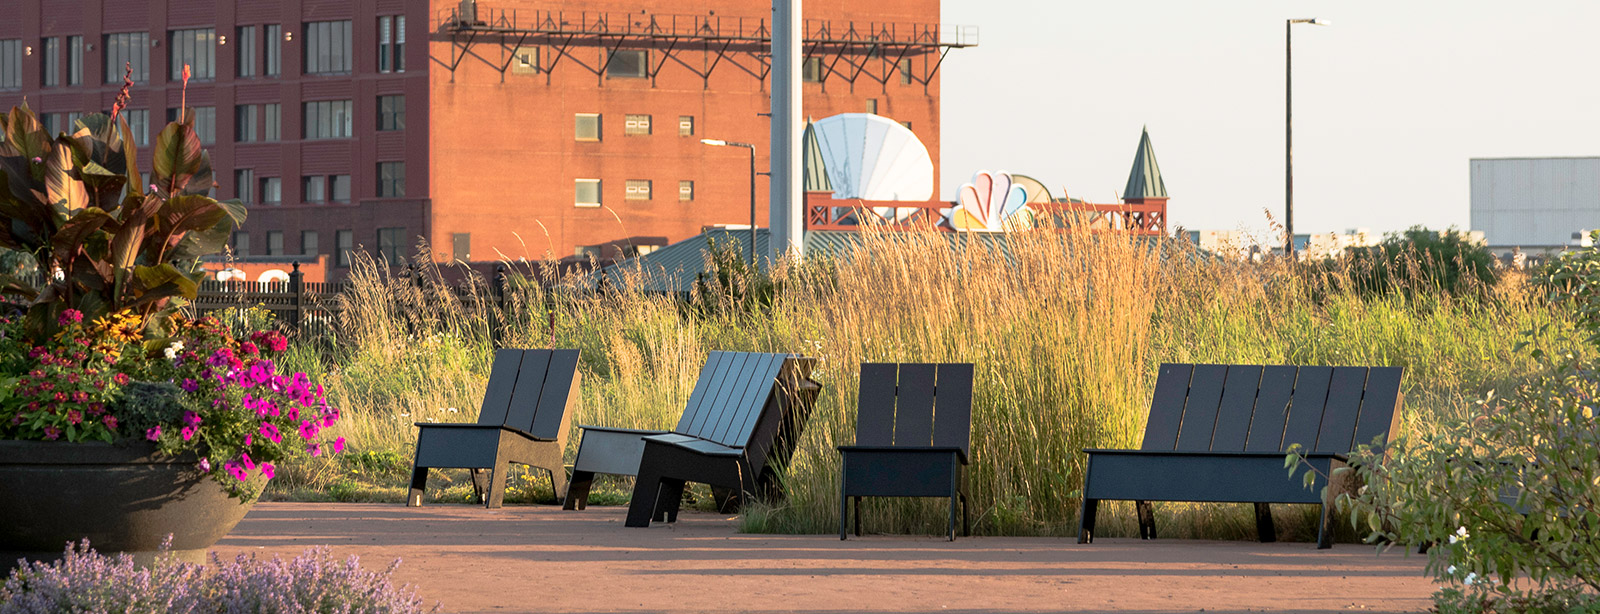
[(1390, 102)]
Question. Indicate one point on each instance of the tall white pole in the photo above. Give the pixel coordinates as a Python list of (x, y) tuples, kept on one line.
[(787, 201)]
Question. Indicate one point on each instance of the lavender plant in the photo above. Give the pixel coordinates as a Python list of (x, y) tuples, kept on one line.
[(314, 582)]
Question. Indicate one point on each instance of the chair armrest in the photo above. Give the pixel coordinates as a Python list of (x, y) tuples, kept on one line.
[(469, 425), (614, 429), (1180, 453), (960, 454)]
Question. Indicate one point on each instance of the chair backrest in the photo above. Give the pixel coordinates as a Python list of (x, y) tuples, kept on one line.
[(915, 404), (531, 391), (1254, 408), (728, 399)]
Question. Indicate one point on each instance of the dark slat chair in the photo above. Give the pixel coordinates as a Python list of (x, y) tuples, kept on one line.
[(913, 428), (1219, 433), (527, 410), (737, 431)]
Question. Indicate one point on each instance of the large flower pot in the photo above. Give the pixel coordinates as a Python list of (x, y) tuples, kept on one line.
[(123, 497)]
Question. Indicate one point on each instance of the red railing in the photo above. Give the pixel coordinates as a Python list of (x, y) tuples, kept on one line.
[(594, 23), (824, 213)]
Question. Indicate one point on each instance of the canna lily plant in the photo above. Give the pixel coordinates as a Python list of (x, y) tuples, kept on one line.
[(107, 242)]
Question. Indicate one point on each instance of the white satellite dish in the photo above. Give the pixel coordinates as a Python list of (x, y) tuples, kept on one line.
[(872, 157), (273, 276), (230, 274)]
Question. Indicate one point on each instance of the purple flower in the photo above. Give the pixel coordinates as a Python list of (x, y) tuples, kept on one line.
[(338, 445), (154, 433), (249, 465), (268, 470), (189, 385), (205, 465), (270, 431), (188, 432), (52, 433), (249, 440), (314, 449), (70, 316), (308, 430), (191, 419), (236, 471)]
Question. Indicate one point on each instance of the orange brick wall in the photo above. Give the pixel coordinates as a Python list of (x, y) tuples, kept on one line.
[(503, 154)]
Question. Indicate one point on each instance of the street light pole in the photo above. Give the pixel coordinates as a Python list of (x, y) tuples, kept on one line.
[(1288, 130), (752, 149)]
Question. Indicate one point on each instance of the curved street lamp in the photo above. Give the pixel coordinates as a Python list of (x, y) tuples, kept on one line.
[(752, 148)]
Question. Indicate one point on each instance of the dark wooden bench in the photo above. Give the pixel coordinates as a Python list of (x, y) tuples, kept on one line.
[(1219, 433), (527, 409), (737, 431), (913, 428)]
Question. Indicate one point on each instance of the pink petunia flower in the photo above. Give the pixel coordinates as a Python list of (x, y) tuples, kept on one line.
[(188, 432), (338, 445), (268, 470), (205, 465)]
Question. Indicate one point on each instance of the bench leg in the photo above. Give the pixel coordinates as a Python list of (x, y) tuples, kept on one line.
[(646, 489), (578, 491), (966, 521), (419, 482), (1086, 521), (1265, 531), (671, 499), (858, 516), (497, 486), (1325, 527), (1147, 519), (844, 515)]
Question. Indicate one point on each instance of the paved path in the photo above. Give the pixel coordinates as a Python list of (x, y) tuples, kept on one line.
[(539, 558)]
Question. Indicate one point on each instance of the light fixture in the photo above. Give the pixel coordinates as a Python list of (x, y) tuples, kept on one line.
[(721, 143), (222, 39), (714, 142), (27, 50), (288, 36)]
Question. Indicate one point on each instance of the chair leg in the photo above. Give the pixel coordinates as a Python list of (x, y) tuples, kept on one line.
[(950, 527), (559, 484), (1265, 530), (726, 499), (1147, 519), (844, 515), (497, 486), (646, 489), (1086, 521), (858, 516), (966, 522), (1325, 528), (671, 499), (419, 483), (578, 490)]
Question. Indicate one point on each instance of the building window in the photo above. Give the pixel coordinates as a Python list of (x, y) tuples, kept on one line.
[(198, 49), (811, 70), (636, 125), (11, 64), (391, 180), (74, 60), (272, 48), (241, 244), (685, 190), (274, 242), (339, 188), (244, 40), (586, 192), (685, 125), (244, 123), (391, 113), (327, 47), (50, 63), (271, 190), (131, 49), (312, 189), (527, 61), (628, 63), (392, 43), (139, 125), (872, 106), (244, 181), (344, 243), (308, 242), (637, 189), (587, 126), (391, 245), (327, 119), (905, 71), (205, 123), (461, 246), (272, 119)]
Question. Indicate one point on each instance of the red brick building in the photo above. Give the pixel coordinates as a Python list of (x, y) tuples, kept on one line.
[(503, 129)]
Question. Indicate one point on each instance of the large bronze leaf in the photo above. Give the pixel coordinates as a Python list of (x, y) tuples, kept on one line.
[(178, 157)]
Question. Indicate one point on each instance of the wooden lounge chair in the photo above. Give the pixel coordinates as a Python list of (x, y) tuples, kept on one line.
[(1219, 433), (737, 431), (913, 425), (527, 410)]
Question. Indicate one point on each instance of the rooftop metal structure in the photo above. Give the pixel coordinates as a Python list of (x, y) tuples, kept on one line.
[(845, 50)]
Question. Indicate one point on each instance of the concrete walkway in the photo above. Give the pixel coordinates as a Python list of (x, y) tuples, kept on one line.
[(541, 559)]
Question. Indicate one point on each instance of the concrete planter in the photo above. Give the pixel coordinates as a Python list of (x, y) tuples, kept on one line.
[(123, 497)]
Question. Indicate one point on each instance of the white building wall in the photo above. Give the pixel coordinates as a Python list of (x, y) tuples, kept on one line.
[(1534, 201)]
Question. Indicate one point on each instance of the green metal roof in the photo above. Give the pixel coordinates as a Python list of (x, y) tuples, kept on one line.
[(1144, 181), (814, 172)]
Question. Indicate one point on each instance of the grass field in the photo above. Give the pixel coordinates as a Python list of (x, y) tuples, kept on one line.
[(1066, 331)]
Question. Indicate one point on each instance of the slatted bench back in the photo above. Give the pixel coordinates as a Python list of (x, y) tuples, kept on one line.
[(915, 404), (1254, 408), (729, 396), (529, 389)]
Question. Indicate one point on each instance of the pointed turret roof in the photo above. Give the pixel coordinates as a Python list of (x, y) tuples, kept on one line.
[(814, 174), (1144, 181)]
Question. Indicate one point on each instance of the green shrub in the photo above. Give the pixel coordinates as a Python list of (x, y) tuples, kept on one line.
[(1415, 259)]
